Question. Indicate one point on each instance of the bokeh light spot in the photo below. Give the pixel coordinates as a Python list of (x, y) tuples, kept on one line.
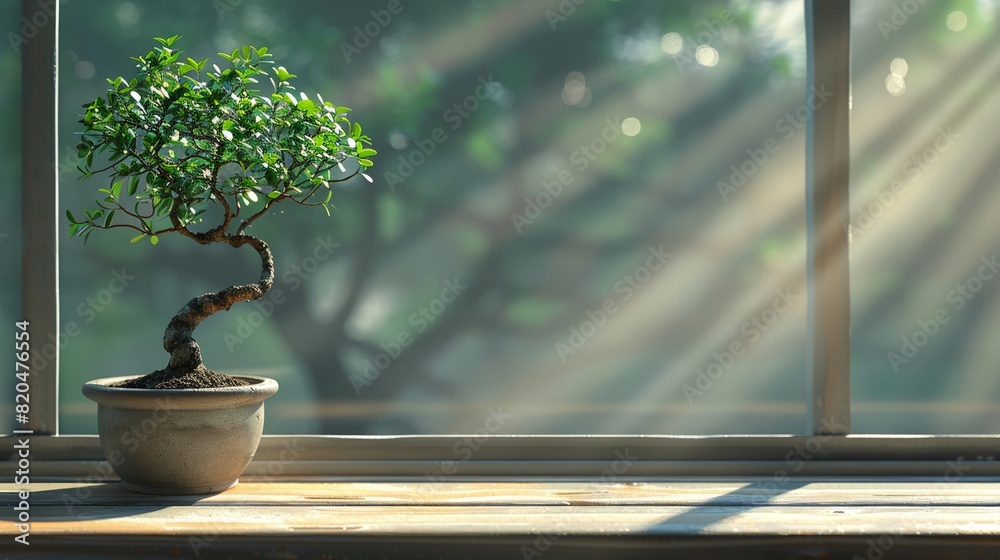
[(127, 14), (895, 85), (671, 43), (706, 56), (575, 91), (631, 126), (957, 21), (398, 140), (899, 67)]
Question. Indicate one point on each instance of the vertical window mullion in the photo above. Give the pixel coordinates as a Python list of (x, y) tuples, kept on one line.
[(39, 214), (827, 215)]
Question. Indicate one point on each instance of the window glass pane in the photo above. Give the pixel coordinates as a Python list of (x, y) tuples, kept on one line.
[(585, 219), (925, 162), (10, 186)]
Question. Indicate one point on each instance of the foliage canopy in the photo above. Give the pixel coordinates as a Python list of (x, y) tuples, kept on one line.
[(178, 138)]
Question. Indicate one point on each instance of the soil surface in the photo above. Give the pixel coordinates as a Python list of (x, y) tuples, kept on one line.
[(200, 378)]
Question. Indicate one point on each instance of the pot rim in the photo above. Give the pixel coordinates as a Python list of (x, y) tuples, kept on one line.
[(100, 391)]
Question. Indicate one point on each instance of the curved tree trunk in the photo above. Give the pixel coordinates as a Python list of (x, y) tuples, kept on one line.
[(185, 354)]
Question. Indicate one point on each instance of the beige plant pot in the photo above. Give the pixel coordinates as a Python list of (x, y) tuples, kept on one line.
[(179, 441)]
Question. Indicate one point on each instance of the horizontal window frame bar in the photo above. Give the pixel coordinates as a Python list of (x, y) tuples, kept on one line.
[(442, 457)]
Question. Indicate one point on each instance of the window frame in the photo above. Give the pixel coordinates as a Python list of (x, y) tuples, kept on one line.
[(827, 450)]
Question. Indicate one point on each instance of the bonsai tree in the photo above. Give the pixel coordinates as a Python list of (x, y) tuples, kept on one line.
[(178, 140)]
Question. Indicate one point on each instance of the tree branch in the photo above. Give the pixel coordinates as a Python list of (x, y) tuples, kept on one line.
[(185, 354)]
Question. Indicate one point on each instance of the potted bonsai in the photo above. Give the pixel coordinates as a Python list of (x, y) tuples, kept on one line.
[(176, 141)]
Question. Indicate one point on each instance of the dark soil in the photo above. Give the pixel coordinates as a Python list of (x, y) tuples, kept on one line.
[(199, 378)]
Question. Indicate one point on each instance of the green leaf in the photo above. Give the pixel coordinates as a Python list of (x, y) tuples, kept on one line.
[(367, 152), (71, 218), (356, 131), (327, 210), (73, 229), (168, 41), (164, 205), (133, 185), (138, 237), (342, 109), (365, 162), (107, 220), (281, 73), (154, 240), (274, 194), (306, 105)]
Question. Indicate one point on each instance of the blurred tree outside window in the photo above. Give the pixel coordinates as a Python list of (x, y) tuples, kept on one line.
[(585, 218)]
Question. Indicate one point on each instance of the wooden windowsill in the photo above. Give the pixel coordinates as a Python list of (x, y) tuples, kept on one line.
[(515, 519)]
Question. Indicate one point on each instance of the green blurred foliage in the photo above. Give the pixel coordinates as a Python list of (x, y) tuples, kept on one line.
[(450, 219)]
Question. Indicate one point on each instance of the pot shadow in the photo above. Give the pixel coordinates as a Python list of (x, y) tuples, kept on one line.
[(93, 501)]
